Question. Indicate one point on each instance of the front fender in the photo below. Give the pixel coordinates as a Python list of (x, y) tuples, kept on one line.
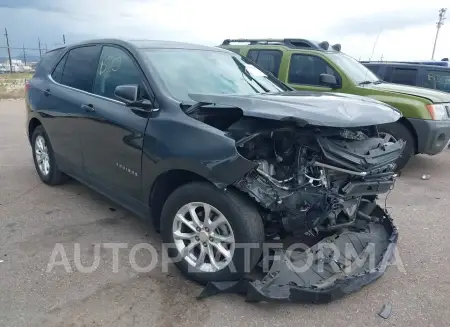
[(196, 148)]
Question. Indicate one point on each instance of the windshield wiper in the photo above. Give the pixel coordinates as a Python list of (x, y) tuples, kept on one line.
[(249, 76), (371, 82)]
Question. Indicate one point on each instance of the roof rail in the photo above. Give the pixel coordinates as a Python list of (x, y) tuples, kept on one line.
[(291, 43), (441, 63)]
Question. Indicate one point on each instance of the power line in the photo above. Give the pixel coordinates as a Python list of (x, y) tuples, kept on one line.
[(439, 24)]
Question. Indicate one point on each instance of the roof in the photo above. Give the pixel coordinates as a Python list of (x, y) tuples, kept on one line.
[(403, 64), (293, 43), (152, 44)]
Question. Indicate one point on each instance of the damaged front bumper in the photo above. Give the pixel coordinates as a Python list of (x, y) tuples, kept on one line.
[(338, 265)]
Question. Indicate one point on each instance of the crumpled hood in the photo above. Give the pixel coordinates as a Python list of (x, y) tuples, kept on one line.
[(314, 108), (432, 95)]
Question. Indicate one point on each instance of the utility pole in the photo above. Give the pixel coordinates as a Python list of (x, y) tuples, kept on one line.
[(439, 24), (64, 39), (24, 56), (40, 52), (9, 51)]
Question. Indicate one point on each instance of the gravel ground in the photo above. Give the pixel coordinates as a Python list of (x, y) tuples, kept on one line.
[(35, 217)]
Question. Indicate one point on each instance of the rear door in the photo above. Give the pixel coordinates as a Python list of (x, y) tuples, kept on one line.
[(71, 82), (270, 60), (112, 133), (437, 79)]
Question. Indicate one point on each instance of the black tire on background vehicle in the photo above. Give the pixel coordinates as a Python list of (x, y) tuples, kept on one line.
[(399, 131), (40, 143), (242, 217)]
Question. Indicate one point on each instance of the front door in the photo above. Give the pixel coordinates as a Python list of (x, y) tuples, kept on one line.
[(304, 73), (112, 133)]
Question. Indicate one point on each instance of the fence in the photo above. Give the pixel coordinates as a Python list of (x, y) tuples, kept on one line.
[(16, 58)]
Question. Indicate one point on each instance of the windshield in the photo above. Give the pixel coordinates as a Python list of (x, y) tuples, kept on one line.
[(356, 71), (186, 71)]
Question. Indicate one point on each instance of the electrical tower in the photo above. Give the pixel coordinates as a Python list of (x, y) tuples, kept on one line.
[(439, 24)]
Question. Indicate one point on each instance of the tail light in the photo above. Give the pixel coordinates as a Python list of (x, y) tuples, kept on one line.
[(27, 86)]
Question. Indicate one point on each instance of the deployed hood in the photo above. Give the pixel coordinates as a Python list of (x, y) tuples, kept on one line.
[(320, 109), (432, 95)]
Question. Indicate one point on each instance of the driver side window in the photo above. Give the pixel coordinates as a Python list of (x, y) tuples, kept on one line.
[(306, 69), (115, 68)]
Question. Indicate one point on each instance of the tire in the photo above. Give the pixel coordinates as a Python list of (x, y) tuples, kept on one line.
[(400, 132), (243, 218), (54, 176)]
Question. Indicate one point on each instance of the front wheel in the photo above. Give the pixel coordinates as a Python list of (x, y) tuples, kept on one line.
[(397, 131), (211, 234)]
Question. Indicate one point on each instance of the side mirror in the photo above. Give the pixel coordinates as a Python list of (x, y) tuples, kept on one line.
[(328, 80), (127, 93)]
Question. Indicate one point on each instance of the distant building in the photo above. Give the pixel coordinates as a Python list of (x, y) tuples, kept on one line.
[(17, 66)]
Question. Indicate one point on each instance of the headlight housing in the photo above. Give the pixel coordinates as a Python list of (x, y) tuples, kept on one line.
[(439, 111)]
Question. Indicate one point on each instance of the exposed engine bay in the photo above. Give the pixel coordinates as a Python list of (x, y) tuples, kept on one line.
[(314, 179), (319, 183)]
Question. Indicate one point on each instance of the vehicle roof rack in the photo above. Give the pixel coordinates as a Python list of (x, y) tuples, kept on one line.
[(442, 63), (291, 43)]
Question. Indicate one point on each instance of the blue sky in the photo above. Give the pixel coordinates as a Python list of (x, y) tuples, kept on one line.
[(406, 29)]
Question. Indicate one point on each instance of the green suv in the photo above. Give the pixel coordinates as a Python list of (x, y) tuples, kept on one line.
[(317, 66)]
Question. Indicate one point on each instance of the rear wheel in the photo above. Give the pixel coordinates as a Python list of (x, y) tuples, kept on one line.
[(213, 235), (44, 158), (397, 131)]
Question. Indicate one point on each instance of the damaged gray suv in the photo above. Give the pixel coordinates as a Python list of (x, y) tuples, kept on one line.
[(226, 160)]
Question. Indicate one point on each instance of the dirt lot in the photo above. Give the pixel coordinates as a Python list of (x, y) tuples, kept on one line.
[(12, 85), (34, 217)]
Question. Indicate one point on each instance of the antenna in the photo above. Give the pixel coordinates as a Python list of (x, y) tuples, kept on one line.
[(374, 45), (439, 24)]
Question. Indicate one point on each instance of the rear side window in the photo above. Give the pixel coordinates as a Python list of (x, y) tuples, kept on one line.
[(58, 72), (47, 61), (80, 67), (407, 76), (438, 80), (268, 59)]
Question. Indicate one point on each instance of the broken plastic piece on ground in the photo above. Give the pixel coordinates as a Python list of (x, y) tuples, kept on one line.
[(329, 275), (385, 311), (426, 177)]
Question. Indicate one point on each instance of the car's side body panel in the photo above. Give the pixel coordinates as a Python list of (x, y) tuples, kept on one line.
[(121, 152)]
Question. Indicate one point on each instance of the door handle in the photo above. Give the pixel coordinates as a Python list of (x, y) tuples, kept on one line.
[(47, 92), (87, 107)]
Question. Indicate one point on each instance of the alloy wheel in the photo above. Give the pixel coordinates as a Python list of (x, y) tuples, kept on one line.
[(42, 156), (203, 237)]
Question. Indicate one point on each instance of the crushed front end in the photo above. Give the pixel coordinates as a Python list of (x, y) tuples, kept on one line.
[(316, 188)]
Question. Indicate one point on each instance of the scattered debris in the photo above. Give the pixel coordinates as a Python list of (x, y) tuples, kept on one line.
[(426, 177), (385, 311), (1, 261)]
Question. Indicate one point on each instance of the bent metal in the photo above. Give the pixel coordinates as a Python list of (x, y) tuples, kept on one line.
[(232, 157)]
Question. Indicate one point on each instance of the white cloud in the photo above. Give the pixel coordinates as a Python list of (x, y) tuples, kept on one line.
[(407, 29)]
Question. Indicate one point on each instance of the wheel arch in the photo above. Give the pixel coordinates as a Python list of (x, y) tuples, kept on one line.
[(165, 184), (405, 122), (32, 124)]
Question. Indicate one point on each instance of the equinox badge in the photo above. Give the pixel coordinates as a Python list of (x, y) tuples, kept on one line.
[(132, 172)]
